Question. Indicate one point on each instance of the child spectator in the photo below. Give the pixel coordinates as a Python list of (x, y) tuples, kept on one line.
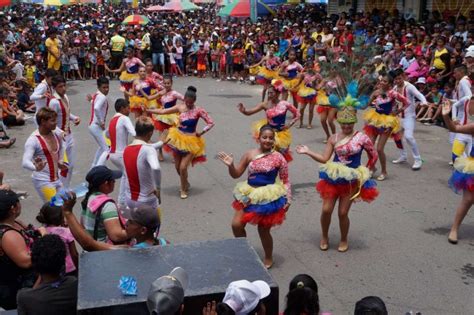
[(65, 65), (201, 61), (178, 56), (433, 97), (30, 71)]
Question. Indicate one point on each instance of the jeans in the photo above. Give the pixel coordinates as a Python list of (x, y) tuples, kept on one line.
[(158, 58)]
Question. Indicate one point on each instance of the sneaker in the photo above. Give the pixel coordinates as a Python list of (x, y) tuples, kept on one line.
[(451, 163), (218, 80), (400, 160), (417, 165), (228, 78), (427, 123)]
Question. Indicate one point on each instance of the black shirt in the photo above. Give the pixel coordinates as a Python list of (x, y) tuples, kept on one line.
[(59, 297), (156, 44)]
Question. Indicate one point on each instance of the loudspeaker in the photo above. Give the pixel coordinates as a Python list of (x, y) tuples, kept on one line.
[(211, 266)]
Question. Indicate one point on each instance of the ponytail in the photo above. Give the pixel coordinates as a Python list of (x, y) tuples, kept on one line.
[(84, 202)]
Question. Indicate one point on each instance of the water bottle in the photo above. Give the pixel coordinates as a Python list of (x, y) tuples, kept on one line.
[(80, 191)]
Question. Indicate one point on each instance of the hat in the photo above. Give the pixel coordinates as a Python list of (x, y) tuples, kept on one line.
[(243, 296), (347, 115), (409, 35), (335, 29), (470, 54), (166, 293), (143, 215), (348, 23), (421, 80), (100, 174)]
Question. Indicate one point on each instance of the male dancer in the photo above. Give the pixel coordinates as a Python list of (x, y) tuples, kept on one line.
[(462, 143), (99, 108), (61, 105), (44, 154), (408, 118), (43, 91)]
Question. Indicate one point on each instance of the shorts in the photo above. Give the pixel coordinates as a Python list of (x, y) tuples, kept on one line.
[(74, 66), (237, 67), (10, 120), (201, 67)]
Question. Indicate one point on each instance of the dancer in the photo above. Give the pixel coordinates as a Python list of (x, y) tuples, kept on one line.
[(289, 71), (142, 169), (462, 143), (43, 91), (408, 118), (462, 178), (99, 109), (151, 75), (61, 105), (307, 94), (43, 154), (129, 69), (275, 111), (343, 179), (327, 113), (383, 121), (262, 200), (141, 87), (268, 70), (187, 145)]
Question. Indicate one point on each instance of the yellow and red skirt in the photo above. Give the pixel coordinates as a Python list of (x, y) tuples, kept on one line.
[(265, 76), (377, 123), (306, 95), (126, 79), (164, 122), (463, 175), (282, 138), (182, 143), (338, 180), (264, 205)]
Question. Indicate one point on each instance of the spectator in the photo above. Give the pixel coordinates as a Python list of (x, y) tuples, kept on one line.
[(372, 305), (53, 293), (302, 297), (166, 294), (243, 297)]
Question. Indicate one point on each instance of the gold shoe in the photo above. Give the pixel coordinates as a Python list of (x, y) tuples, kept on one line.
[(343, 249), (184, 194), (324, 247)]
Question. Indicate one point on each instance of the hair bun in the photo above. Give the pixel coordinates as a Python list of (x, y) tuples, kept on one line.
[(192, 88), (300, 285)]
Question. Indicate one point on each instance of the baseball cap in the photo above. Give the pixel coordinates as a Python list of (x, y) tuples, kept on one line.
[(166, 293), (470, 53), (243, 296), (144, 215), (421, 80), (100, 174)]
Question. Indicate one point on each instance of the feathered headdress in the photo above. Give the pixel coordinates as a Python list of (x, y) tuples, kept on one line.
[(347, 107)]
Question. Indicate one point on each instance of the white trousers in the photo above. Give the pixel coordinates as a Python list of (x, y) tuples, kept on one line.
[(98, 135), (46, 189), (408, 124), (71, 159)]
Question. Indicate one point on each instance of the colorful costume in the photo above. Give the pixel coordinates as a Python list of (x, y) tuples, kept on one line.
[(322, 99), (291, 82), (276, 118), (306, 92), (183, 139), (345, 174), (463, 174), (131, 73), (168, 100), (263, 196), (138, 100), (381, 118), (268, 71)]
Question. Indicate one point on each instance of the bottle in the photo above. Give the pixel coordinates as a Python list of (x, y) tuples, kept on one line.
[(80, 191)]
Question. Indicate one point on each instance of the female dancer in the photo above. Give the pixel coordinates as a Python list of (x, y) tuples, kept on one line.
[(151, 75), (268, 70), (289, 71), (343, 179), (383, 121), (262, 200), (187, 145), (129, 69), (275, 111), (462, 178), (327, 113), (167, 98), (307, 94), (141, 87)]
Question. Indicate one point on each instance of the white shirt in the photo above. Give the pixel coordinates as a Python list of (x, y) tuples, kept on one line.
[(38, 93), (62, 107), (142, 171), (460, 108), (120, 126), (463, 88), (412, 94), (37, 146), (99, 108)]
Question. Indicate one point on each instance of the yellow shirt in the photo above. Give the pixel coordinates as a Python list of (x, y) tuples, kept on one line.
[(437, 62), (53, 47), (316, 34), (118, 43)]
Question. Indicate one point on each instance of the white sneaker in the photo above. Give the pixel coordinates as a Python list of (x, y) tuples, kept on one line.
[(417, 165), (400, 160)]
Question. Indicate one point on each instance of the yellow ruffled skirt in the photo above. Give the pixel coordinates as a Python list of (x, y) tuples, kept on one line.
[(291, 84), (380, 123), (126, 77), (322, 98), (282, 138), (183, 143)]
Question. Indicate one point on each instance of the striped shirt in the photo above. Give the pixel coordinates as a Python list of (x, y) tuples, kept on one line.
[(109, 211)]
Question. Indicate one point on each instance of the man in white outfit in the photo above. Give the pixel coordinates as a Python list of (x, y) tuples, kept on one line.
[(43, 154), (409, 117), (61, 105), (43, 91), (99, 109)]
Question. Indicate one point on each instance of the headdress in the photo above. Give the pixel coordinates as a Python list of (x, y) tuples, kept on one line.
[(347, 107)]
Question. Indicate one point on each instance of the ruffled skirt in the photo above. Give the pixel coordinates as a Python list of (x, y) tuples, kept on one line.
[(339, 180), (181, 143), (291, 84), (463, 175), (265, 76), (263, 205), (322, 98), (282, 138), (306, 95), (164, 122), (379, 123), (126, 77)]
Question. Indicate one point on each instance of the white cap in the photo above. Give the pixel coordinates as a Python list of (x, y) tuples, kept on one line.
[(470, 53), (322, 58), (335, 29), (341, 60), (243, 296), (348, 23), (470, 48), (421, 80)]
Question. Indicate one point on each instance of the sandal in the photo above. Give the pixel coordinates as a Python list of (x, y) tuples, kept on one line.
[(382, 177), (324, 247), (183, 194), (309, 127)]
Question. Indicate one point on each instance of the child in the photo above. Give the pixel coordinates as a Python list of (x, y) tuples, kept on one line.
[(105, 51), (201, 61), (30, 70), (179, 56), (100, 64), (65, 65), (174, 70), (52, 218), (433, 98), (92, 58), (215, 56), (222, 63), (74, 63)]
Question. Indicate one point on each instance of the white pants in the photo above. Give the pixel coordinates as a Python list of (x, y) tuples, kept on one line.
[(71, 159), (117, 160), (98, 135), (408, 124), (46, 189)]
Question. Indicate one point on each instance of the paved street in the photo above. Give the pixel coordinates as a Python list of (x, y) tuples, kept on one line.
[(398, 244)]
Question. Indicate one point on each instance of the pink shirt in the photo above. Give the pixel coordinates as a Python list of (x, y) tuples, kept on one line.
[(66, 236)]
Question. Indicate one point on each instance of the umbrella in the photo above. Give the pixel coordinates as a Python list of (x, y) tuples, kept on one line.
[(179, 6), (57, 2), (136, 20), (155, 8), (241, 8), (5, 3)]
